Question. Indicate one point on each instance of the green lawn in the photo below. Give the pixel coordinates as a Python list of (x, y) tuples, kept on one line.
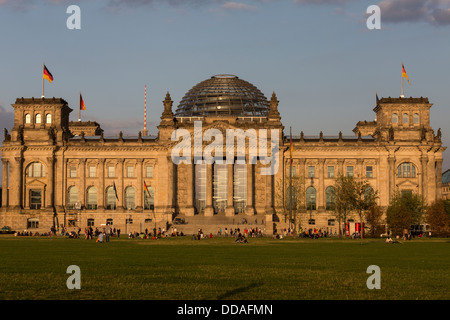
[(181, 268)]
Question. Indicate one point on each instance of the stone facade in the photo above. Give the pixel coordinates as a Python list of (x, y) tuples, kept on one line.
[(61, 173)]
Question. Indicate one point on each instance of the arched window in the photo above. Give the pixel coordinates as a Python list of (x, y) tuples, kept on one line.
[(291, 198), (35, 170), (330, 198), (92, 198), (27, 118), (406, 170), (311, 198), (110, 198), (48, 118), (416, 118), (149, 199), (405, 118), (73, 198), (394, 118), (130, 198), (38, 118)]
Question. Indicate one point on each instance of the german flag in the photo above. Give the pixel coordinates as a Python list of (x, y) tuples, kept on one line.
[(404, 75), (47, 75), (82, 105), (146, 189)]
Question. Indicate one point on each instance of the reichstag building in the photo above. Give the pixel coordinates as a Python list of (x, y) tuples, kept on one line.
[(61, 173)]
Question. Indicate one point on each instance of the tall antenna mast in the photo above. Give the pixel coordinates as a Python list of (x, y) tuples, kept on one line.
[(145, 132)]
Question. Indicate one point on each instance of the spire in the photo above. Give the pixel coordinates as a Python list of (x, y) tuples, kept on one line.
[(167, 116), (273, 111)]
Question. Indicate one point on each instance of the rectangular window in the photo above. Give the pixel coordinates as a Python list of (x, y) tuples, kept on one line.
[(369, 172), (331, 222), (35, 199), (90, 222), (73, 172), (91, 172), (149, 171), (292, 172), (330, 172), (111, 172), (350, 171), (130, 171), (32, 223), (311, 171)]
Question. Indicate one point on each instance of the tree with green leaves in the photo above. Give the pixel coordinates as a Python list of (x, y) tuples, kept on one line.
[(405, 210), (439, 218), (363, 198), (343, 197)]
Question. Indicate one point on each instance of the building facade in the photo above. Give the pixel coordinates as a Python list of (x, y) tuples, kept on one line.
[(68, 174)]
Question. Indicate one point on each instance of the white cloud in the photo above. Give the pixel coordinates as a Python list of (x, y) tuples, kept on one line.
[(235, 6)]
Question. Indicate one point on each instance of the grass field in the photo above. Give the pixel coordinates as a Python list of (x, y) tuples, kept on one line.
[(211, 269)]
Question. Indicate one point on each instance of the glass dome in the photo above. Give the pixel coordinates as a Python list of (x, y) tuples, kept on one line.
[(223, 95)]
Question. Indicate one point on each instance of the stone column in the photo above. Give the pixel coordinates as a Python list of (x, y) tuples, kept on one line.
[(140, 185), (101, 192), (83, 183), (391, 161), (424, 163), (341, 167), (189, 208), (321, 187), (120, 191), (50, 185), (438, 179), (5, 185), (209, 210), (229, 212), (250, 209), (17, 202)]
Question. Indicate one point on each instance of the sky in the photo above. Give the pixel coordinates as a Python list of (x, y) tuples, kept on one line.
[(319, 57)]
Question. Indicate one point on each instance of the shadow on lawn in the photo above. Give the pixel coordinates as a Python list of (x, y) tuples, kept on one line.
[(231, 293)]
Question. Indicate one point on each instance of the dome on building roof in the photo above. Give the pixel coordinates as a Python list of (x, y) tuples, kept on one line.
[(223, 95)]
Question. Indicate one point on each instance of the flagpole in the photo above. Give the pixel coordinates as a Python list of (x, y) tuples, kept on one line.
[(43, 66), (290, 181), (401, 96), (79, 109)]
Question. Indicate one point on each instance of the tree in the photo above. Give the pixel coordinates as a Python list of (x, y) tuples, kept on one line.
[(374, 221), (405, 210), (439, 219), (343, 196), (363, 198), (283, 200)]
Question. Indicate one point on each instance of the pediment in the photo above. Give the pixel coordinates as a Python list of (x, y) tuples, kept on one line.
[(36, 183), (408, 184)]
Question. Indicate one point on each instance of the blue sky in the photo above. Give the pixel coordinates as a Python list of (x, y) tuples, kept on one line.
[(318, 56)]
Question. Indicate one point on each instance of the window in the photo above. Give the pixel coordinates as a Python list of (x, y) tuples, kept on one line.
[(128, 221), (394, 118), (35, 170), (406, 170), (220, 187), (330, 172), (73, 172), (405, 118), (130, 172), (73, 198), (92, 172), (312, 221), (200, 187), (109, 222), (330, 198), (35, 199), (416, 118), (149, 172), (27, 118), (240, 188), (48, 118), (311, 171), (38, 118), (92, 198), (331, 222), (406, 193), (90, 222), (110, 198), (130, 198), (111, 172), (369, 172), (311, 198), (350, 171), (149, 199), (32, 223), (292, 172), (291, 198)]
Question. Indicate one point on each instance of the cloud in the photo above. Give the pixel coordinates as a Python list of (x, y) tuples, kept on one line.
[(435, 12), (234, 6), (322, 2)]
